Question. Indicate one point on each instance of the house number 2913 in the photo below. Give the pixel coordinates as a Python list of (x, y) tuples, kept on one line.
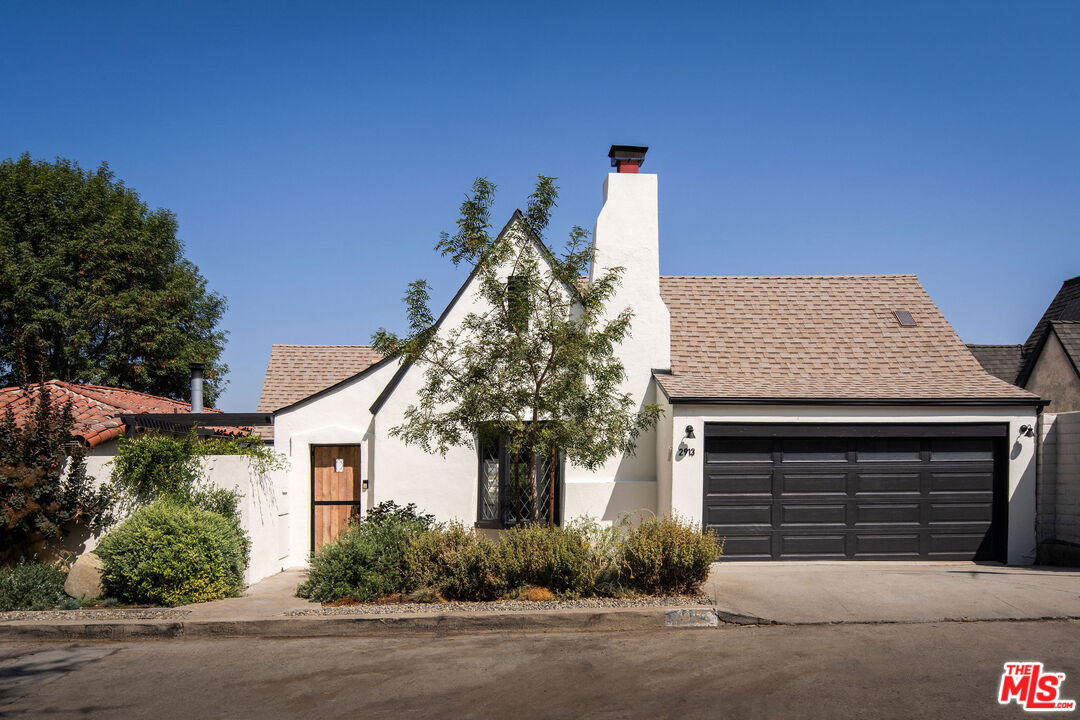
[(684, 450)]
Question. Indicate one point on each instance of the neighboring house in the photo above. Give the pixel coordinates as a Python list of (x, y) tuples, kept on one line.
[(1048, 363), (97, 410), (819, 417)]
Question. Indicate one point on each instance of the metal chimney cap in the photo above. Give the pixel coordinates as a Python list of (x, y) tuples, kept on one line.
[(627, 152), (195, 367)]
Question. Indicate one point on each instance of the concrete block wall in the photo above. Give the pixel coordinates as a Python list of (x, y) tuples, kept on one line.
[(1058, 488)]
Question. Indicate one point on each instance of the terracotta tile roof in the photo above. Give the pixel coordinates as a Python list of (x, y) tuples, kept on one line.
[(817, 337), (97, 408), (1001, 361), (298, 371)]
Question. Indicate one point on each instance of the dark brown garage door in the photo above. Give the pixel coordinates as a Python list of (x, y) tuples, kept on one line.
[(899, 492)]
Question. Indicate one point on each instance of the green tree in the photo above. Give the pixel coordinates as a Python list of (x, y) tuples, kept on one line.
[(537, 364), (96, 284)]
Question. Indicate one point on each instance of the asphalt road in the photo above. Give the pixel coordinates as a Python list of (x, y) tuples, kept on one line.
[(936, 670)]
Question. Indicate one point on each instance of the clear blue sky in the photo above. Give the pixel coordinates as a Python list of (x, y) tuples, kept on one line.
[(313, 151)]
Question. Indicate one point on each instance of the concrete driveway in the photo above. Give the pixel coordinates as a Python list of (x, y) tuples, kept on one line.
[(828, 592)]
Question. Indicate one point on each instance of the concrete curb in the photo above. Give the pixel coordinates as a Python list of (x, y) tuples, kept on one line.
[(347, 625), (590, 620)]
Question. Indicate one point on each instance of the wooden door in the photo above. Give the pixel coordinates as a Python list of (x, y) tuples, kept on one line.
[(337, 492)]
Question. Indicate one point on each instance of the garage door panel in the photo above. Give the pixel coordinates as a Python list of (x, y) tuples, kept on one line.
[(979, 513), (867, 483), (891, 545), (802, 514), (955, 544), (961, 482), (813, 484), (850, 496), (748, 547), (820, 546), (731, 516), (739, 484), (887, 514)]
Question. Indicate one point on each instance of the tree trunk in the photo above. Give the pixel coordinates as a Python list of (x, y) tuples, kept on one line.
[(551, 491), (534, 505)]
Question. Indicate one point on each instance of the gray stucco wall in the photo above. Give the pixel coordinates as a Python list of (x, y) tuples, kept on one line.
[(1058, 485), (1054, 378)]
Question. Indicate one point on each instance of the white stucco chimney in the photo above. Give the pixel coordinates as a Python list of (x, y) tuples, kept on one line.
[(627, 234)]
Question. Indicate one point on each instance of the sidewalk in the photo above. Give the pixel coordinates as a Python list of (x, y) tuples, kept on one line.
[(738, 594), (270, 608)]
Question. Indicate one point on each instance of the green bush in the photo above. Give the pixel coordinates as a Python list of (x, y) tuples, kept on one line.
[(368, 560), (558, 559), (605, 550), (460, 564), (396, 551), (667, 556), (172, 553), (31, 586)]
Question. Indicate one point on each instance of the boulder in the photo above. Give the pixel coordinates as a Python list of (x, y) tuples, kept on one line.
[(84, 579)]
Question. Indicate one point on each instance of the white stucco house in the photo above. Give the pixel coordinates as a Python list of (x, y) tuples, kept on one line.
[(817, 417)]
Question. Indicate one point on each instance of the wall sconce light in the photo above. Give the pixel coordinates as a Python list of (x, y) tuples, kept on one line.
[(1027, 430), (690, 432)]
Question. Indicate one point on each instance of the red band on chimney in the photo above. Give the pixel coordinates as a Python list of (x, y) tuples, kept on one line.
[(628, 166)]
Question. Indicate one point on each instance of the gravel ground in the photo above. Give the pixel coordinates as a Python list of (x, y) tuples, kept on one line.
[(103, 614), (506, 606)]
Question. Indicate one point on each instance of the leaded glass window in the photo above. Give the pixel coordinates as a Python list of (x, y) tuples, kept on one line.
[(505, 497)]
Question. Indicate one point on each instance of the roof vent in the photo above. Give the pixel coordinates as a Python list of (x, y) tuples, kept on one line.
[(627, 158), (904, 317)]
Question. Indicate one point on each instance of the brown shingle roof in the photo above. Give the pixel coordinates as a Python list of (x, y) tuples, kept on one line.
[(96, 409), (1064, 306), (297, 371), (1001, 361), (817, 337), (1068, 332)]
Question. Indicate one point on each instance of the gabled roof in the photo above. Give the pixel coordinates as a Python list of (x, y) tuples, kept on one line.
[(516, 218), (1068, 332), (818, 338), (96, 409), (296, 372), (1064, 306), (1001, 361)]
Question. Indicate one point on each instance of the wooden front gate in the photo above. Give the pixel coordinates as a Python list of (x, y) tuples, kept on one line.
[(337, 492)]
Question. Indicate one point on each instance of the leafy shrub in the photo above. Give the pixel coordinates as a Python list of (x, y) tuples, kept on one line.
[(31, 586), (44, 489), (368, 560), (165, 467), (558, 559), (460, 564), (396, 552), (605, 550), (667, 556), (170, 553)]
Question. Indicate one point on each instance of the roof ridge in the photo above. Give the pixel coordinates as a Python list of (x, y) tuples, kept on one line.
[(1008, 345), (298, 345), (792, 277)]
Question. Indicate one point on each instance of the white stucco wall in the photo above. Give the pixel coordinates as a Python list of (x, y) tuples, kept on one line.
[(259, 510), (688, 470), (627, 236), (339, 417)]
